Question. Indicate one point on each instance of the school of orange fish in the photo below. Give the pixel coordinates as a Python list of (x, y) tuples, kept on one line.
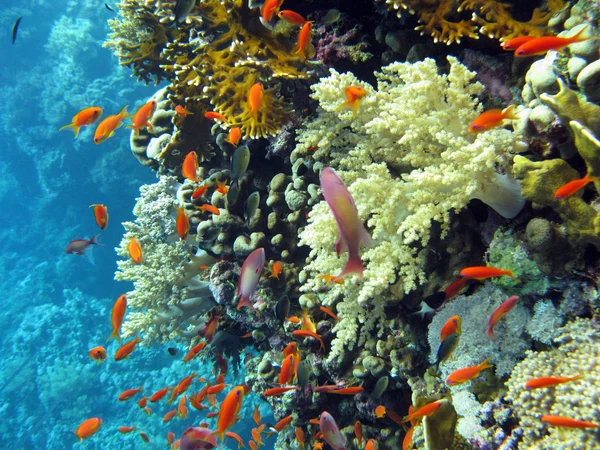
[(227, 411)]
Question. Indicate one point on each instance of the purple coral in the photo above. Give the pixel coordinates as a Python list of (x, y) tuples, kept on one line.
[(331, 47)]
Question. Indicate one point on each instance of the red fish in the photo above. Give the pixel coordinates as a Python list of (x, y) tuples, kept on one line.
[(212, 115), (126, 430), (329, 312), (88, 428), (79, 246), (216, 388), (210, 329), (492, 118), (454, 288), (358, 432), (107, 127), (209, 208), (98, 353), (484, 272), (283, 423), (144, 437), (568, 422), (304, 39), (278, 391), (287, 370), (142, 402), (542, 382), (276, 270), (300, 436), (101, 215), (541, 45), (180, 110), (292, 17), (222, 187), (182, 409), (499, 312), (236, 437), (126, 349), (83, 118), (129, 393), (195, 351), (116, 318), (468, 373), (234, 136), (190, 166), (182, 223), (423, 411), (169, 415), (371, 445), (135, 251), (452, 326), (331, 278), (306, 333), (570, 188), (515, 43), (268, 10), (142, 116), (159, 394), (255, 97), (407, 442), (228, 412), (354, 94), (199, 192)]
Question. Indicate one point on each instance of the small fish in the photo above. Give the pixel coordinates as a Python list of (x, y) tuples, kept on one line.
[(141, 118), (182, 111), (216, 388), (468, 373), (83, 118), (358, 432), (515, 43), (209, 331), (307, 322), (236, 437), (256, 435), (182, 9), (255, 98), (268, 10), (182, 223), (15, 29), (300, 436), (332, 16), (125, 350), (567, 422), (492, 118), (304, 39), (239, 164), (452, 325), (484, 272), (199, 192), (207, 207), (228, 411), (221, 377), (135, 251), (234, 136), (195, 351), (182, 409), (169, 415), (222, 187), (276, 270), (329, 312), (148, 411), (380, 411), (144, 437), (541, 45), (287, 370), (454, 288), (108, 7), (542, 382), (88, 428), (251, 206), (189, 168), (351, 230), (279, 426), (499, 312), (423, 411), (306, 333), (212, 115), (292, 17), (295, 320), (197, 438), (159, 394), (354, 95), (79, 246), (252, 445), (256, 415), (278, 391), (570, 188), (331, 431), (172, 351), (98, 353), (170, 437), (126, 430), (347, 391), (380, 387), (282, 309), (107, 127), (101, 215), (183, 386), (446, 348), (233, 194), (331, 279), (249, 277), (371, 445), (142, 402), (116, 317), (407, 442), (129, 393)]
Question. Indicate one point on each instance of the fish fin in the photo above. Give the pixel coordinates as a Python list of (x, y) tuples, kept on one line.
[(486, 364), (244, 301), (124, 114), (74, 128), (579, 36), (509, 113), (149, 125), (341, 246), (94, 240), (345, 105), (115, 335), (353, 265), (365, 237), (490, 332), (355, 107)]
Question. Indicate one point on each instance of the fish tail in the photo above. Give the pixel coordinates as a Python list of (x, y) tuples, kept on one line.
[(345, 105), (133, 127), (124, 114), (115, 335), (353, 265), (94, 240), (485, 364), (490, 331), (509, 113), (73, 127), (579, 37), (355, 107), (244, 301), (220, 434)]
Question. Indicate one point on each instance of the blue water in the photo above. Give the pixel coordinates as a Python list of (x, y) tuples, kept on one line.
[(54, 306)]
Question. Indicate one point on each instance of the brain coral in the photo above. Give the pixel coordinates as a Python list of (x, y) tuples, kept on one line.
[(578, 353)]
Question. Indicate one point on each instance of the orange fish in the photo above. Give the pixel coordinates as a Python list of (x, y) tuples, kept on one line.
[(101, 215), (499, 312), (195, 351), (116, 317), (83, 118), (168, 416), (252, 445), (452, 326), (306, 333), (159, 394), (537, 383), (255, 97), (126, 430), (209, 208), (256, 436), (142, 402), (88, 428), (135, 251), (234, 136), (276, 270), (107, 127), (256, 415), (329, 312), (304, 39), (570, 188), (222, 187), (492, 118), (292, 17), (380, 411), (371, 445), (268, 10), (484, 272), (190, 166), (148, 411), (541, 45), (142, 116), (396, 417), (217, 388), (182, 111), (307, 323), (221, 378), (144, 437), (212, 414), (515, 43), (347, 391), (358, 432), (182, 409), (230, 407), (354, 94), (454, 288), (182, 223), (98, 353), (236, 437), (300, 436), (182, 386), (126, 349), (170, 437), (283, 423), (294, 320), (423, 411), (287, 370), (407, 442), (331, 278), (568, 423), (278, 391), (129, 393), (468, 373), (212, 115)]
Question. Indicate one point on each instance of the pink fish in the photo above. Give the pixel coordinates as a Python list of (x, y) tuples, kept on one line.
[(79, 246), (499, 312), (350, 229), (197, 438), (331, 432), (249, 276)]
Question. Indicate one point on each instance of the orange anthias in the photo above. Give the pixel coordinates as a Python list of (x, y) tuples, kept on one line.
[(278, 391), (276, 270), (268, 10), (126, 430), (283, 423), (116, 317), (500, 312), (212, 115), (354, 94), (255, 97), (329, 312), (98, 353), (129, 393), (570, 188), (195, 351), (142, 116), (452, 325), (492, 118), (484, 272), (83, 118), (331, 278), (287, 370), (358, 432), (234, 136), (228, 412), (101, 215), (236, 437), (567, 422), (88, 428), (304, 39), (107, 127), (190, 166), (199, 192), (135, 251), (126, 349), (542, 382), (515, 43), (292, 17), (468, 373), (306, 333), (159, 394), (222, 187), (182, 223), (423, 411), (182, 111), (541, 45), (209, 208)]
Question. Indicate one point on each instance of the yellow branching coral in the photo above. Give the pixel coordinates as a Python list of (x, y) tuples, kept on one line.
[(491, 17)]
